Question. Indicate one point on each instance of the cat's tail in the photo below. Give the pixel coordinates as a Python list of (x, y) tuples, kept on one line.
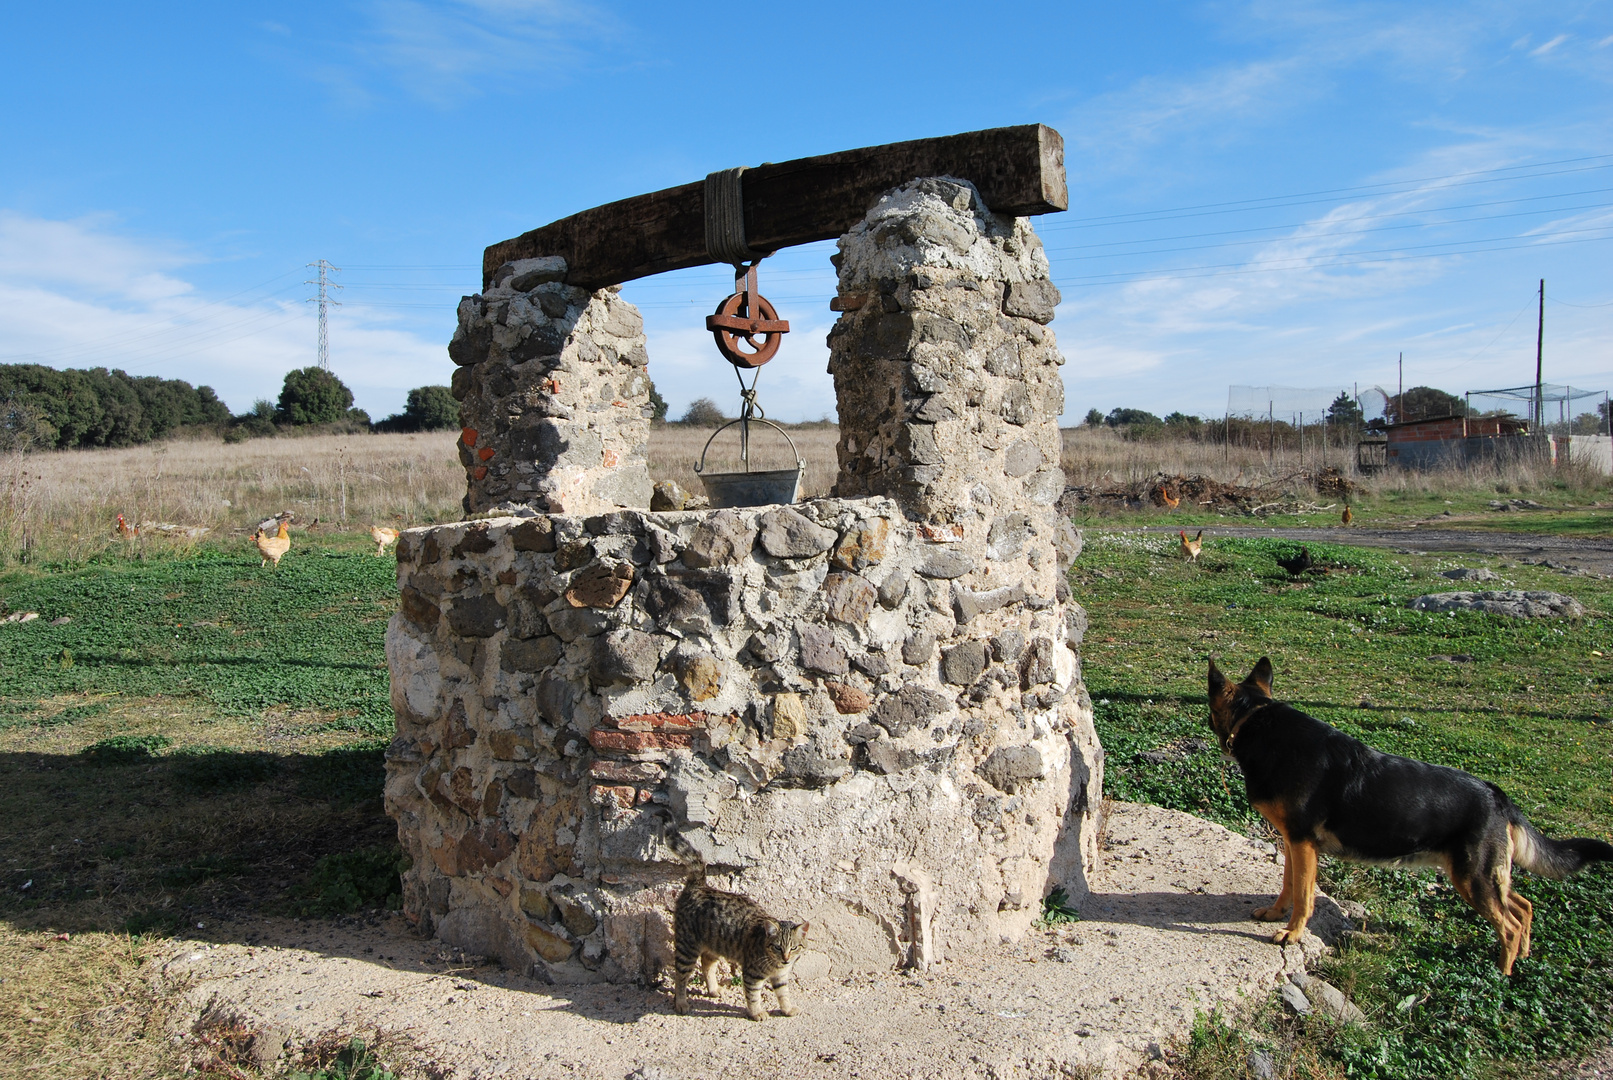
[(691, 859)]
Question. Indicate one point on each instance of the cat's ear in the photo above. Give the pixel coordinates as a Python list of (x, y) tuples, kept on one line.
[(804, 927), (774, 929)]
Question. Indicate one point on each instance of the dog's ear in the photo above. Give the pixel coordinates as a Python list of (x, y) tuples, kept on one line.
[(1260, 677), (1218, 682)]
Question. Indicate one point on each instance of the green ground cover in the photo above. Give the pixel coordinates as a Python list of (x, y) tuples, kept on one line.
[(1529, 710), (204, 736), (211, 625), (1561, 512)]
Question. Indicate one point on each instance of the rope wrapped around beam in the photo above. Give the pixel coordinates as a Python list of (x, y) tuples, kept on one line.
[(725, 218)]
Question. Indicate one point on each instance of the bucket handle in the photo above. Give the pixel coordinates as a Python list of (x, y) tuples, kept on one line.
[(800, 463)]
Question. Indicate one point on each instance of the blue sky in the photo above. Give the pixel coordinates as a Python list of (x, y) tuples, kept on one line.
[(1288, 193)]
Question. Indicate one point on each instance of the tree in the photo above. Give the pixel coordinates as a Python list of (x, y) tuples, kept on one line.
[(657, 404), (1344, 412), (1423, 403), (1094, 418), (703, 412), (431, 408), (312, 395), (1180, 423), (1124, 417)]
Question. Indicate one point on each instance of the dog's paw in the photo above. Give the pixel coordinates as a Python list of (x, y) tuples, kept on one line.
[(1270, 914), (1285, 936)]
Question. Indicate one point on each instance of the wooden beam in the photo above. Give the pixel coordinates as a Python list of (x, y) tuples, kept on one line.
[(1018, 170)]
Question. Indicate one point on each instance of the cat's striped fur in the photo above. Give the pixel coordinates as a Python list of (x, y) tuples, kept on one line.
[(710, 925)]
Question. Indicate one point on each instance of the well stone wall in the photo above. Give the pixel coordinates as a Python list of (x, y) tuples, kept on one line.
[(554, 398), (865, 710)]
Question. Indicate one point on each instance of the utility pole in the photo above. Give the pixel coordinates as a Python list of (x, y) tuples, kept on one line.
[(1540, 348), (322, 300)]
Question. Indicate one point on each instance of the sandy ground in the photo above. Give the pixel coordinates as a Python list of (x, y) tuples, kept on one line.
[(1165, 932), (1593, 554)]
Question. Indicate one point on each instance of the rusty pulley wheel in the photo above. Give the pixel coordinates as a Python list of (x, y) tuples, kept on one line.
[(747, 321)]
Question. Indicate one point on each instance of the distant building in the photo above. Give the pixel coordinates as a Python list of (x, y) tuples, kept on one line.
[(1455, 440)]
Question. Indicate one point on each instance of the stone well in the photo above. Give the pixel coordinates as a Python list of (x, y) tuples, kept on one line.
[(865, 710)]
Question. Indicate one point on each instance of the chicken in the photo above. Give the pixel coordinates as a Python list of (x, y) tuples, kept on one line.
[(1299, 563), (1347, 516), (1191, 548), (382, 537), (273, 547), (125, 530), (1166, 500)]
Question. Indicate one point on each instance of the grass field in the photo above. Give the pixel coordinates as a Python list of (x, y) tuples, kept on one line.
[(60, 508), (1531, 711), (185, 736)]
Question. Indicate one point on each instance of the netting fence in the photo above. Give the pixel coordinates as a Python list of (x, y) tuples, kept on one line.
[(1548, 409)]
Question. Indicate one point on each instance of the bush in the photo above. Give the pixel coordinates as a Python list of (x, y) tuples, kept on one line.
[(312, 395), (125, 749), (432, 408), (1126, 417), (1094, 418), (428, 408), (703, 412), (353, 881), (657, 405)]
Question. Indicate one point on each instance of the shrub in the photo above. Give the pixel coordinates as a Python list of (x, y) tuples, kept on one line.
[(703, 412), (354, 880), (657, 405), (312, 395), (432, 408), (125, 749)]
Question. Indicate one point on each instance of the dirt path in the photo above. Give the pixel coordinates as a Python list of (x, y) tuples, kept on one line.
[(1166, 931), (1593, 554)]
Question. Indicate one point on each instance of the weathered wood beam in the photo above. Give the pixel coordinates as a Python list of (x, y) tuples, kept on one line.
[(1018, 170)]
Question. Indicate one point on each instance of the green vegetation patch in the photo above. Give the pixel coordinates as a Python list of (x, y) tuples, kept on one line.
[(1524, 703), (308, 636), (345, 882)]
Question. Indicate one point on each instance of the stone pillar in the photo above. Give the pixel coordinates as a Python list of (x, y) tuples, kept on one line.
[(948, 390), (554, 397)]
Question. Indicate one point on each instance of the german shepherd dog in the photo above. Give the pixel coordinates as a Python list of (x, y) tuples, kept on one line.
[(1329, 794)]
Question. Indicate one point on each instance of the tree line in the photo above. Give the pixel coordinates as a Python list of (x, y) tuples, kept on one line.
[(69, 409)]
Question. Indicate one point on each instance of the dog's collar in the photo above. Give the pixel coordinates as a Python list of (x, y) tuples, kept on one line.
[(1226, 743)]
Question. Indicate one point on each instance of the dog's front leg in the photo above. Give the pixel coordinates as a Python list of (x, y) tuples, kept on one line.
[(1301, 878), (1279, 906)]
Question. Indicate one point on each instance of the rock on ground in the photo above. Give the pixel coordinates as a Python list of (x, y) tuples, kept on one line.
[(1165, 931), (1516, 603)]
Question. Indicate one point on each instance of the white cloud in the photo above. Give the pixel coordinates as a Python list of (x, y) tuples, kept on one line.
[(78, 294), (1549, 46), (449, 52)]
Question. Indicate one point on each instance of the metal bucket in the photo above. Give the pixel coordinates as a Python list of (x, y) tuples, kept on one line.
[(760, 488), (726, 490)]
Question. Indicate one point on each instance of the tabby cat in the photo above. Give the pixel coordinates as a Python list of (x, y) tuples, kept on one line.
[(710, 925)]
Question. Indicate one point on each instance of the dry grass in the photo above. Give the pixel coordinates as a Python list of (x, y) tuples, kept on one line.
[(62, 506), (675, 449), (67, 502), (1101, 456), (84, 1005)]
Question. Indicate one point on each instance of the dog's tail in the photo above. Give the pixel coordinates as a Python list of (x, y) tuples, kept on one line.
[(1540, 854), (693, 863)]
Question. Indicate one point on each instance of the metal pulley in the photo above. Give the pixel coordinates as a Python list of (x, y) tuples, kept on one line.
[(745, 321)]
